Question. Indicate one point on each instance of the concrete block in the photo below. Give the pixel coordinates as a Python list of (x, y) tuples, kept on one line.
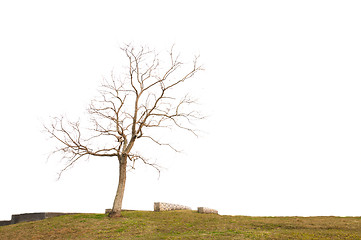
[(207, 210)]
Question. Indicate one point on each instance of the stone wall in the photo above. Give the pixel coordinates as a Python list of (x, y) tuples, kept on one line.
[(4, 223), (27, 217), (159, 206)]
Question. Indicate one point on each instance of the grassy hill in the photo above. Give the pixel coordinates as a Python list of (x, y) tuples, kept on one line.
[(183, 225)]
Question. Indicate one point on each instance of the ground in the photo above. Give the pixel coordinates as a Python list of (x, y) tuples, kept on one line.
[(184, 225)]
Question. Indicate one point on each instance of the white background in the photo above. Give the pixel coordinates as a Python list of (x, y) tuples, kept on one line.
[(281, 89)]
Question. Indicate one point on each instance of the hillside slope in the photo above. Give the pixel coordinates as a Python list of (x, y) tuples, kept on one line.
[(183, 225)]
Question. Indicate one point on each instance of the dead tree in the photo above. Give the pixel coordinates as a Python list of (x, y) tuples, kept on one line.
[(126, 110)]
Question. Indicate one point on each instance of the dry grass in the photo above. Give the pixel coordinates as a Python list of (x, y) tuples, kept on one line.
[(184, 225)]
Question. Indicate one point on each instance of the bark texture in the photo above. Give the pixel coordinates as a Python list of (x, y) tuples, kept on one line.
[(118, 200)]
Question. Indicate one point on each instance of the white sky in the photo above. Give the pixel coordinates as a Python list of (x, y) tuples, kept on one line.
[(282, 89)]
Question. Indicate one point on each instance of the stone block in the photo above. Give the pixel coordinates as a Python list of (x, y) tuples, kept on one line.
[(159, 206), (207, 210)]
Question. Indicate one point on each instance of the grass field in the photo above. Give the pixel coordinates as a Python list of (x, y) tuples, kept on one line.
[(184, 225)]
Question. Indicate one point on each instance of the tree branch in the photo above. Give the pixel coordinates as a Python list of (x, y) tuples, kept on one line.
[(129, 107)]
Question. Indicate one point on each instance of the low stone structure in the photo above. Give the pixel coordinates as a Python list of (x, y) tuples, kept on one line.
[(27, 217), (4, 223), (207, 210), (160, 206)]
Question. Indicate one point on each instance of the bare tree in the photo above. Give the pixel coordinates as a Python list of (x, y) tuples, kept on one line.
[(126, 110)]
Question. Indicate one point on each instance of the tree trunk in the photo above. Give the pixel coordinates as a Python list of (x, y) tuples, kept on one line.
[(117, 205)]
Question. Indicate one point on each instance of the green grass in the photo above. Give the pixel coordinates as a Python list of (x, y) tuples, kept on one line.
[(184, 225)]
